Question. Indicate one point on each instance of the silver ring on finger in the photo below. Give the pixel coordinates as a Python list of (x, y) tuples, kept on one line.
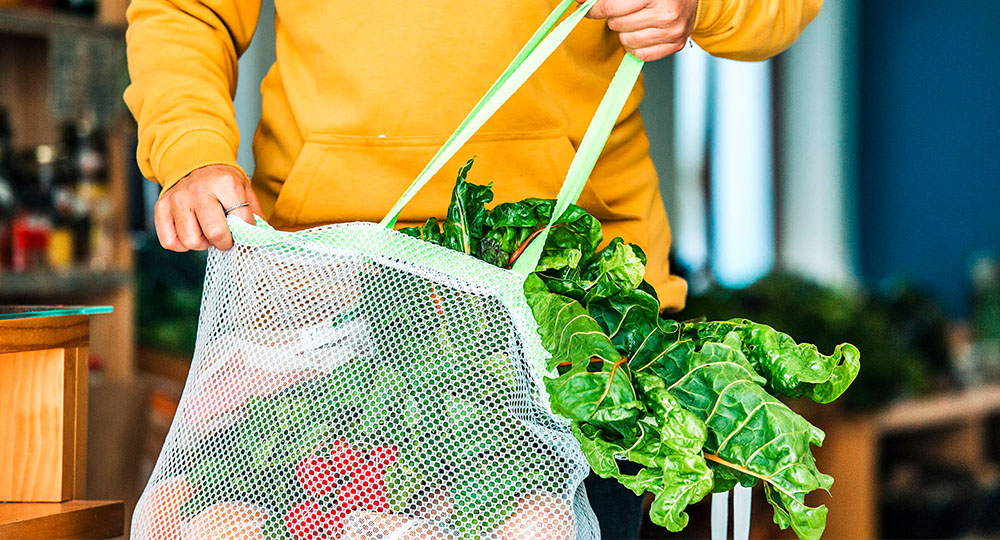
[(236, 207)]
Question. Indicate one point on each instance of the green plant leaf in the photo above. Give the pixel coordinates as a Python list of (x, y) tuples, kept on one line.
[(691, 403), (509, 227), (616, 269), (594, 384), (670, 451), (428, 232), (750, 431), (791, 369), (463, 226)]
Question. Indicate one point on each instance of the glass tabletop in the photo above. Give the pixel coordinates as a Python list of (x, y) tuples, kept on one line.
[(28, 312)]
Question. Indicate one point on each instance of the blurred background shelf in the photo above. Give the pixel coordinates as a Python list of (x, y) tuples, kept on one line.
[(46, 23), (49, 283), (970, 405), (893, 458), (61, 69)]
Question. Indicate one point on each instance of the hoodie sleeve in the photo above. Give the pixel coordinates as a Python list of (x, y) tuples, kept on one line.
[(751, 29), (182, 60)]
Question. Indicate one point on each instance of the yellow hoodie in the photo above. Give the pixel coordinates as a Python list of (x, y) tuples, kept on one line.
[(363, 93)]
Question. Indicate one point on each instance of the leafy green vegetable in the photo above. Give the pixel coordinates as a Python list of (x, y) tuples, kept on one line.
[(791, 369), (463, 227), (691, 403), (500, 235)]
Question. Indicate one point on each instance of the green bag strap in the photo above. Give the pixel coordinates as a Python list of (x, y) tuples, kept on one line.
[(545, 40), (586, 155)]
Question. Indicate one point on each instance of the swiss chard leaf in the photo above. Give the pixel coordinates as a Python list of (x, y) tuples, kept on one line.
[(463, 226), (594, 384), (617, 268), (428, 232), (691, 403), (791, 369), (750, 432), (511, 226), (669, 448)]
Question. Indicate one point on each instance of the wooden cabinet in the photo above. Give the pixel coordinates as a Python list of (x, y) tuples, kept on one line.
[(43, 427), (949, 428)]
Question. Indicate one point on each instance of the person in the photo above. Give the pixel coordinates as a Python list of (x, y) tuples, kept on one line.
[(363, 93)]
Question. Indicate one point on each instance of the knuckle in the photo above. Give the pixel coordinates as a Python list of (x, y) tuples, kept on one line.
[(173, 244), (677, 31), (216, 233), (669, 14), (191, 240), (646, 55), (236, 181), (180, 199)]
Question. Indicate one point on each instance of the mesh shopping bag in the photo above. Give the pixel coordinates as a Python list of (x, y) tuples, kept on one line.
[(353, 382)]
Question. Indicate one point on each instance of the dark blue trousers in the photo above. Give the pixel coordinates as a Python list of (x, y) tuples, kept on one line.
[(619, 511)]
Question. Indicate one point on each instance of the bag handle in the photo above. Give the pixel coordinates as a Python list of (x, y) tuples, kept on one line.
[(542, 44), (586, 155)]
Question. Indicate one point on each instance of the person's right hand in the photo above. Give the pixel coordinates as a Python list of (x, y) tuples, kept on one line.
[(191, 214)]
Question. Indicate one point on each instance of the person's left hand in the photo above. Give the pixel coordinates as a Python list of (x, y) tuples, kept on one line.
[(649, 29)]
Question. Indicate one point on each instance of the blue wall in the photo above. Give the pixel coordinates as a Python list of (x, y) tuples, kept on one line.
[(930, 141)]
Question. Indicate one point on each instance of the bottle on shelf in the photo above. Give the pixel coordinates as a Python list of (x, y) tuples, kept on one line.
[(92, 190), (32, 225), (71, 205), (62, 248)]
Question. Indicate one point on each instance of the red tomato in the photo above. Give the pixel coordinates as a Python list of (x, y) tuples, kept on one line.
[(335, 522), (317, 475), (307, 521), (374, 497), (349, 497), (346, 460)]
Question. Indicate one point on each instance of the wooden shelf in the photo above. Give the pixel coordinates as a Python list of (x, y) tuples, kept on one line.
[(856, 443), (70, 519), (915, 414), (42, 23), (74, 283)]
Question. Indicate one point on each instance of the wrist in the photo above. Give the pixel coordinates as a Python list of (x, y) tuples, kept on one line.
[(194, 150)]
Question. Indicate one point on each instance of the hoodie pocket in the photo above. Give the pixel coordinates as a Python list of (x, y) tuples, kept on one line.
[(342, 178)]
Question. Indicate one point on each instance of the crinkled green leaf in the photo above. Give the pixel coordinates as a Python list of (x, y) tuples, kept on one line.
[(593, 384), (428, 232), (750, 431), (791, 369), (572, 336), (511, 226), (463, 226), (668, 446), (628, 318), (616, 269)]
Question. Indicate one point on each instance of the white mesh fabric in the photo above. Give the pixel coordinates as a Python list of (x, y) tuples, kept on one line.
[(352, 382)]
